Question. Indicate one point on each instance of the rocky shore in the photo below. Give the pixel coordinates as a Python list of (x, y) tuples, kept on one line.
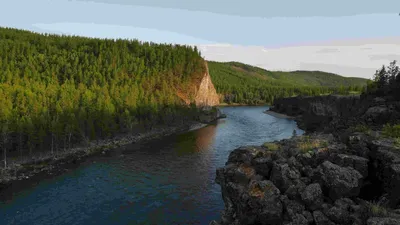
[(51, 164), (333, 175)]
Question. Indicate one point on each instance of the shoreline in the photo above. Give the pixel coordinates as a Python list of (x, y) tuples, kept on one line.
[(51, 165), (278, 115)]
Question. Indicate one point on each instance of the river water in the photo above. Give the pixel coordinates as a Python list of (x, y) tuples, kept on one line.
[(168, 181)]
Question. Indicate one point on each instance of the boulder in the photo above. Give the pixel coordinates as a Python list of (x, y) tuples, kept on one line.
[(321, 219), (339, 181), (244, 154), (283, 176), (261, 204), (358, 163), (312, 196), (383, 221)]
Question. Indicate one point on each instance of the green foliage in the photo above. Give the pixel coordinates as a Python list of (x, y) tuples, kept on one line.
[(361, 128), (244, 84), (307, 144), (386, 82), (376, 210), (271, 146), (59, 90), (392, 131)]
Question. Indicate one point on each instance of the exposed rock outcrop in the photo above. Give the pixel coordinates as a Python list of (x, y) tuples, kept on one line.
[(205, 94), (313, 179), (333, 112)]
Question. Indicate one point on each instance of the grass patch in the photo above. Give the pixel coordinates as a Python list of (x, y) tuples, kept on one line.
[(376, 210), (307, 144), (392, 131), (271, 146), (361, 128)]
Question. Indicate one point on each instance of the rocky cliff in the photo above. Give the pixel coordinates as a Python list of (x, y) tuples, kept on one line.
[(205, 94), (335, 112), (312, 180), (338, 176)]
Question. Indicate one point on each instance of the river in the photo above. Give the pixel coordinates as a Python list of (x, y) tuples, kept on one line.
[(168, 181)]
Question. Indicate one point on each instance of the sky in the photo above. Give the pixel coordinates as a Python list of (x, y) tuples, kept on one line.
[(351, 38)]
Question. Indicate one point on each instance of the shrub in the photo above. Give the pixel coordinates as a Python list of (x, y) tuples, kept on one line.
[(271, 146), (307, 144), (376, 210), (361, 128), (392, 131)]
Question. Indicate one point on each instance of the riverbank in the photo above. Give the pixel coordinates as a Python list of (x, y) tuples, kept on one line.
[(51, 164), (344, 171), (278, 115)]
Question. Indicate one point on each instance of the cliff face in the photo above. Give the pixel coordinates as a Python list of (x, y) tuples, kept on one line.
[(336, 112), (312, 180), (205, 94), (343, 177)]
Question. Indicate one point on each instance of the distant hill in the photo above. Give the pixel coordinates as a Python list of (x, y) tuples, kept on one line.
[(242, 83)]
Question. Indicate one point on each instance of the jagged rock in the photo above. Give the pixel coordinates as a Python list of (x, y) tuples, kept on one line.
[(312, 196), (358, 163), (291, 207), (294, 191), (341, 212), (213, 222), (260, 205), (383, 221), (299, 219), (340, 181), (321, 219), (308, 216), (241, 174), (263, 165), (244, 154), (284, 176)]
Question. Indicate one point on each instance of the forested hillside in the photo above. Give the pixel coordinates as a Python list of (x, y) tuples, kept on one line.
[(58, 90), (245, 84)]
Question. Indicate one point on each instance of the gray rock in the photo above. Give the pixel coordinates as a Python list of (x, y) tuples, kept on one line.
[(340, 181), (358, 163), (299, 219), (262, 165), (291, 207), (244, 154), (213, 222), (383, 221), (284, 176), (312, 196), (341, 212), (321, 219), (308, 216)]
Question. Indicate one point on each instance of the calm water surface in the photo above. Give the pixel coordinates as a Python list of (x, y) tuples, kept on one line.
[(169, 181)]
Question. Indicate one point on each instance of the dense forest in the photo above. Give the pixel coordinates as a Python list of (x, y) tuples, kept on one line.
[(59, 90), (245, 84)]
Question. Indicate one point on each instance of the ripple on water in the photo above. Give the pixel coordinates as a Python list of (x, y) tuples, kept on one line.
[(171, 181)]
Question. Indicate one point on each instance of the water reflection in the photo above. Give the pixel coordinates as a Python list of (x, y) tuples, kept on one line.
[(169, 181)]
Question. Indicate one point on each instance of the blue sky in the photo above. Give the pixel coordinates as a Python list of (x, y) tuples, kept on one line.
[(262, 23), (265, 23)]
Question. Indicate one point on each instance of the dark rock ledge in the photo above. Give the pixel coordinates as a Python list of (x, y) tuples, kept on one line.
[(313, 179)]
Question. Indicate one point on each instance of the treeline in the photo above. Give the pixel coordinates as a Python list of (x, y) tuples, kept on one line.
[(59, 90), (244, 84), (386, 82)]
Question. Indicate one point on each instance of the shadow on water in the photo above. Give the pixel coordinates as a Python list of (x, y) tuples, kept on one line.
[(168, 181)]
